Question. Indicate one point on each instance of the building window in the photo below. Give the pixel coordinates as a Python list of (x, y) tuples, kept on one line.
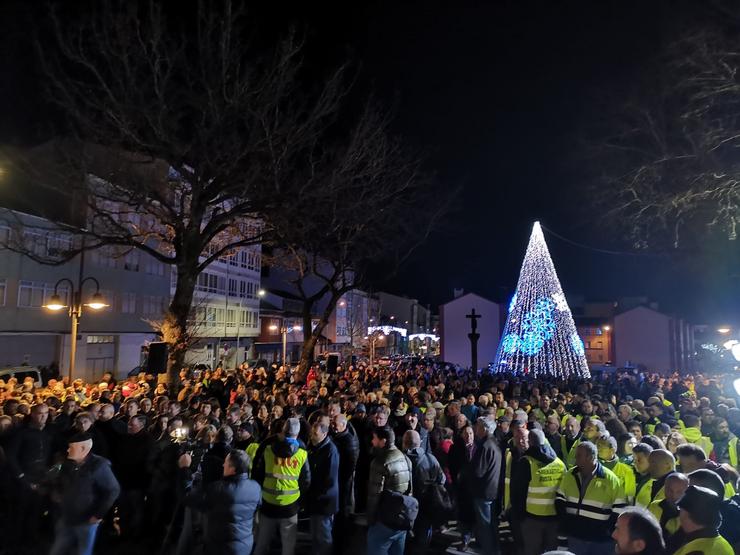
[(128, 303), (100, 339), (132, 260), (232, 287), (34, 294)]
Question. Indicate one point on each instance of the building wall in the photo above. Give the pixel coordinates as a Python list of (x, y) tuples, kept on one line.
[(455, 345), (226, 308), (644, 336), (135, 286), (401, 311), (597, 340)]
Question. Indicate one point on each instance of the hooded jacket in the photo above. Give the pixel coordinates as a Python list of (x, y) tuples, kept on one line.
[(283, 448), (521, 475)]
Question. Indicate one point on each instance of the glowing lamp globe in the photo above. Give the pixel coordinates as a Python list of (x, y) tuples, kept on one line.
[(55, 303), (97, 302)]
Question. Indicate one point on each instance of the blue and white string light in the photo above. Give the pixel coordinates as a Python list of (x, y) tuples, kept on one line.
[(540, 337)]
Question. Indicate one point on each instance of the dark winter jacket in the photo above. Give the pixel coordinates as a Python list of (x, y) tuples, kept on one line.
[(229, 505), (30, 453), (520, 477), (86, 490), (213, 462), (426, 472), (348, 447), (390, 470), (481, 477), (132, 462), (285, 449), (111, 430), (323, 493)]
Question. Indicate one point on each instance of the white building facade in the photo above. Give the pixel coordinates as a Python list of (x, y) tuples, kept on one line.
[(226, 308)]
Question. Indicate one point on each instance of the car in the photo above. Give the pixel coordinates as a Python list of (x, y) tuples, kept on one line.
[(21, 373)]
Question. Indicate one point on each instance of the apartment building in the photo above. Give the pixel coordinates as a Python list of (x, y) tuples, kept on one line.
[(133, 284)]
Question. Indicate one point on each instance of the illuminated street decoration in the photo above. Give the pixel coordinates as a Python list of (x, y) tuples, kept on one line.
[(387, 330), (540, 336), (423, 336), (512, 304)]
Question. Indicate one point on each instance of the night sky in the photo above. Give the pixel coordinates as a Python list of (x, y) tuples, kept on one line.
[(496, 95)]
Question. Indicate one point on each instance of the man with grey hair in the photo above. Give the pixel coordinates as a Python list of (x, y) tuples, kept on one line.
[(534, 482), (588, 502), (480, 481)]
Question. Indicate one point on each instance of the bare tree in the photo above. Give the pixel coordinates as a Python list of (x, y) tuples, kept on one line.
[(375, 206), (668, 171), (184, 140)]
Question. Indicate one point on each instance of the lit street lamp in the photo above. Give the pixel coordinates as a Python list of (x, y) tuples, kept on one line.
[(56, 304), (284, 331), (374, 337)]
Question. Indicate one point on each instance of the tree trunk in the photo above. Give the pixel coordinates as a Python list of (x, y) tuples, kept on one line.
[(310, 341), (176, 332)]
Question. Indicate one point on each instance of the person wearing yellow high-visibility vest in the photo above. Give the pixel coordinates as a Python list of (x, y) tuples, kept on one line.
[(607, 447), (643, 481), (662, 465), (692, 433), (570, 440), (534, 483), (281, 469), (666, 510), (588, 502), (517, 445), (725, 443), (700, 519)]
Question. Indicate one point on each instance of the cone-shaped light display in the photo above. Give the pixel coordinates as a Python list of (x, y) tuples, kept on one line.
[(540, 337)]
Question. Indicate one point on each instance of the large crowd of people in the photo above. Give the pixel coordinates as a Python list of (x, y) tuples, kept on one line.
[(236, 461)]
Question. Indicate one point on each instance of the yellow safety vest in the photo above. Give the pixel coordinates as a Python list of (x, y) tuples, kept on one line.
[(281, 477), (543, 486), (671, 525), (709, 546), (568, 456), (733, 453), (642, 496), (507, 481), (729, 490), (604, 496), (251, 451), (627, 476)]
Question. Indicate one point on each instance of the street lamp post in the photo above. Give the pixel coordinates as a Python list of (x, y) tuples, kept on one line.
[(75, 310), (377, 334), (284, 331)]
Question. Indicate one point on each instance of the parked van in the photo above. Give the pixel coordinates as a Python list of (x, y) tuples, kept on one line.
[(21, 373)]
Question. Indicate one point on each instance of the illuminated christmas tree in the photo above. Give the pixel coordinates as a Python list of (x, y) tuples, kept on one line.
[(540, 337)]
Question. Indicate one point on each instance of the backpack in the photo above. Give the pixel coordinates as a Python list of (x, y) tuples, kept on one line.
[(397, 510)]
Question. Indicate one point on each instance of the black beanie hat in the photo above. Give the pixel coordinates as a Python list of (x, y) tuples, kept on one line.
[(703, 505)]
